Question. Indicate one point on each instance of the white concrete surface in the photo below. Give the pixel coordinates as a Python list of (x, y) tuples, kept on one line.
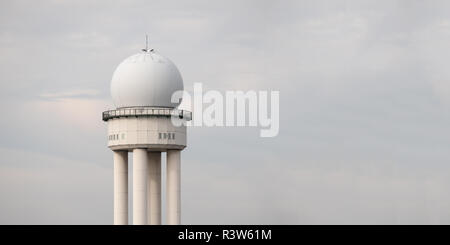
[(120, 187), (140, 162), (154, 188), (145, 132), (173, 187)]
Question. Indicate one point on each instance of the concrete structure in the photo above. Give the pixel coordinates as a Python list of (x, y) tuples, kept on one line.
[(141, 87)]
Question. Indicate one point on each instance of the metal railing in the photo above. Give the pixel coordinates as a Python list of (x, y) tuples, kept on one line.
[(138, 112)]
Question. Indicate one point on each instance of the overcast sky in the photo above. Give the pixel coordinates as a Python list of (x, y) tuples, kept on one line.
[(364, 108)]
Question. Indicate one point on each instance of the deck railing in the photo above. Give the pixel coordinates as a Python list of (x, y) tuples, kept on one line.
[(138, 112)]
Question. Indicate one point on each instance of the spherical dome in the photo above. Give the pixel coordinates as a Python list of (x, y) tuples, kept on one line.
[(145, 79)]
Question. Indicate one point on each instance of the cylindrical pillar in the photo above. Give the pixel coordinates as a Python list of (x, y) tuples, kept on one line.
[(120, 187), (154, 188), (140, 160), (173, 187)]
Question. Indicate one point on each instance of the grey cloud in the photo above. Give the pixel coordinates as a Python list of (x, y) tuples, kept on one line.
[(364, 111)]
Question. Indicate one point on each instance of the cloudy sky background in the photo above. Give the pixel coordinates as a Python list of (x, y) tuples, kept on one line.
[(364, 108)]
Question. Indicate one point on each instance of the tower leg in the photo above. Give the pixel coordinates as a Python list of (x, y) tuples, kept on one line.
[(173, 187), (140, 162), (154, 188), (120, 187)]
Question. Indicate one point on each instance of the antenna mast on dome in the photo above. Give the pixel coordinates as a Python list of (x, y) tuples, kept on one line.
[(146, 45)]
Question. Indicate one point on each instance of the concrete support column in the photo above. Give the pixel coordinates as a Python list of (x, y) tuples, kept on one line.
[(173, 187), (140, 162), (120, 187), (154, 188)]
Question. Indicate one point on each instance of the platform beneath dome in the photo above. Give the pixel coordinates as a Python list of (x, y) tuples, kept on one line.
[(146, 112)]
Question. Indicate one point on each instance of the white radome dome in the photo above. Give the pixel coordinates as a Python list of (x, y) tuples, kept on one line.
[(145, 79)]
